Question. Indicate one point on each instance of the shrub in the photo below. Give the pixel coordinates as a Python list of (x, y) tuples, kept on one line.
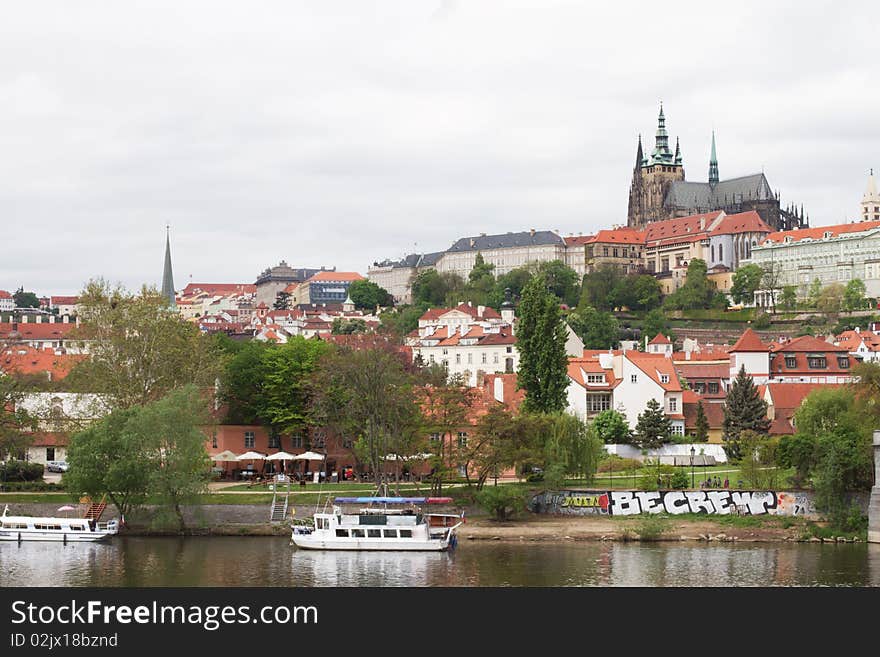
[(29, 486), (680, 479), (762, 321), (650, 528), (501, 501), (617, 464), (20, 471)]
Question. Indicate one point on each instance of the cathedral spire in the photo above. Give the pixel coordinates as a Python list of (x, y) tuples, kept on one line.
[(167, 274), (677, 152), (713, 163), (639, 155), (661, 153)]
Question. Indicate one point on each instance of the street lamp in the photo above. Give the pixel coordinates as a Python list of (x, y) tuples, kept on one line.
[(692, 466)]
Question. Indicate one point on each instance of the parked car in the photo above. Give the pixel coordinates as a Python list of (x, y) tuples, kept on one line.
[(56, 466)]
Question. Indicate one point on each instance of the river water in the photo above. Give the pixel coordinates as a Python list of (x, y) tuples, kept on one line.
[(265, 561)]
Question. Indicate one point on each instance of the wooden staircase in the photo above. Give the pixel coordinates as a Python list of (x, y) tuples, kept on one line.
[(96, 510)]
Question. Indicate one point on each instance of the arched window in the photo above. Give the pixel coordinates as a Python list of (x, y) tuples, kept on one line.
[(713, 253), (721, 252)]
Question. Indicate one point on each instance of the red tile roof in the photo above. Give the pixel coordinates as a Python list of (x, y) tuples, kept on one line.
[(24, 359), (5, 295), (654, 365), (807, 343), (851, 340), (743, 222), (50, 439), (818, 232), (577, 240), (38, 331), (619, 236), (66, 301), (680, 228), (336, 276), (218, 289), (749, 341), (696, 370), (660, 339), (792, 395), (466, 308)]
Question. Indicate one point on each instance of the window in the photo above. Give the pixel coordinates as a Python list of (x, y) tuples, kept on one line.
[(50, 453), (445, 352), (374, 533), (634, 378), (484, 357), (510, 350), (495, 358), (458, 359), (664, 378), (843, 362), (390, 533), (699, 387), (677, 429), (77, 528), (297, 441), (470, 358), (720, 252), (406, 533), (673, 405), (462, 439), (790, 361), (713, 387), (605, 251), (214, 441), (614, 252), (275, 441), (598, 403), (816, 361), (342, 533), (249, 441), (357, 533), (435, 437), (595, 378)]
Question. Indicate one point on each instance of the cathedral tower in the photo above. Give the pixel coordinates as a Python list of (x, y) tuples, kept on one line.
[(652, 177), (167, 274)]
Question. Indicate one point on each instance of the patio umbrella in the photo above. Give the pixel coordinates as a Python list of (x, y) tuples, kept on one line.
[(225, 455), (66, 508), (280, 456), (309, 456), (251, 456)]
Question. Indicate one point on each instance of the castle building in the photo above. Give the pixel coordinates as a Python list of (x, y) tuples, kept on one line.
[(659, 190)]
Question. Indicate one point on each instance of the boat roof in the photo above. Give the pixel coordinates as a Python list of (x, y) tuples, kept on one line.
[(393, 500), (42, 519)]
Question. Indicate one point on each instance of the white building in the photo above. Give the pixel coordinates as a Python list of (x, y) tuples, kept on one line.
[(396, 276), (59, 414), (576, 253), (7, 302), (870, 205), (506, 252), (861, 345), (831, 254)]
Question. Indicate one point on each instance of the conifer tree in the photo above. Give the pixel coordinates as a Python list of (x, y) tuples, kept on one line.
[(702, 424), (653, 427), (541, 335), (743, 410)]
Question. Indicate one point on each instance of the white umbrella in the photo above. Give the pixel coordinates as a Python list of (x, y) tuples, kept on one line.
[(280, 456), (224, 456), (66, 508), (309, 456), (251, 456), (414, 457)]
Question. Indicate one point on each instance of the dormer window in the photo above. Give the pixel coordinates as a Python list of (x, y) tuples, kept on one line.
[(827, 234), (595, 378), (664, 378)]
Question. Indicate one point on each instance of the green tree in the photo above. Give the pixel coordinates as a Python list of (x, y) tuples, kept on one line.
[(447, 411), (500, 440), (598, 330), (401, 320), (541, 338), (25, 299), (653, 428), (342, 326), (367, 394), (431, 288), (647, 292), (570, 446), (177, 463), (814, 293), (139, 351), (611, 427), (744, 410), (502, 501), (655, 323), (241, 384), (746, 281), (798, 451), (561, 279), (758, 464), (701, 428), (286, 391), (515, 279), (788, 300), (282, 301), (598, 287), (480, 284), (831, 299), (367, 295), (697, 291), (16, 424), (854, 295)]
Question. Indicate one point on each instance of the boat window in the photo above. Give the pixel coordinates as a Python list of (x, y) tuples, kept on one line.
[(343, 533), (77, 528), (390, 533), (406, 533), (374, 533), (45, 526), (357, 533), (14, 525)]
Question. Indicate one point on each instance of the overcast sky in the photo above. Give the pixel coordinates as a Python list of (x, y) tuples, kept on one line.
[(340, 133)]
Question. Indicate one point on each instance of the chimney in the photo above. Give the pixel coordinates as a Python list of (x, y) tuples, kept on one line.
[(24, 319), (498, 391), (51, 319), (65, 319), (702, 223), (480, 310), (39, 319), (532, 232)]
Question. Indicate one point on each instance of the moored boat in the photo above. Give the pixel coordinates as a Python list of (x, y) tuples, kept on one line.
[(385, 523), (37, 528)]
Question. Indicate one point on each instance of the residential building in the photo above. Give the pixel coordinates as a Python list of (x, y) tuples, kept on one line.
[(505, 252), (783, 400), (40, 334), (810, 360), (659, 190), (863, 346), (275, 279), (870, 205), (576, 253), (829, 254), (660, 344), (621, 247), (752, 354), (714, 413), (58, 415), (7, 302), (63, 305), (23, 359)]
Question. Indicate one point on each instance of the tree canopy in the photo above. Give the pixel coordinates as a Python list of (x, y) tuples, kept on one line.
[(367, 295)]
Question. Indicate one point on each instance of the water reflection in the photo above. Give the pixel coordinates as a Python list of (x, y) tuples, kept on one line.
[(255, 561)]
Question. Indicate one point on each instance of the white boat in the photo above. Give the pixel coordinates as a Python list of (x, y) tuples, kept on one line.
[(387, 523), (35, 528)]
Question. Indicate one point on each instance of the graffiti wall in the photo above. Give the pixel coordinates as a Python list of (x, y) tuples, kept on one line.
[(673, 502)]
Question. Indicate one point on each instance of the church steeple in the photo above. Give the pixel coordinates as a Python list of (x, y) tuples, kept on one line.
[(661, 153), (639, 156), (870, 205), (167, 274), (677, 153), (713, 163)]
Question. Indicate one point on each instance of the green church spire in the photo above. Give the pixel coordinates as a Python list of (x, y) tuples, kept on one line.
[(713, 163), (661, 153), (167, 274)]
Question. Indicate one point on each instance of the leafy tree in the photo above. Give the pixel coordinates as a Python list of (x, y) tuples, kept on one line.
[(447, 411), (701, 428), (541, 338), (241, 384), (854, 295), (284, 402), (746, 281), (367, 295), (368, 394), (814, 293), (867, 390), (430, 288), (758, 464), (679, 480), (570, 445), (647, 291), (561, 279), (597, 329), (402, 320), (282, 301), (178, 465), (515, 279), (655, 323), (831, 299), (138, 350), (342, 326), (25, 299), (788, 300), (744, 410), (16, 424), (598, 287), (501, 501), (653, 428), (611, 427), (697, 291), (107, 459), (798, 451), (500, 440)]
